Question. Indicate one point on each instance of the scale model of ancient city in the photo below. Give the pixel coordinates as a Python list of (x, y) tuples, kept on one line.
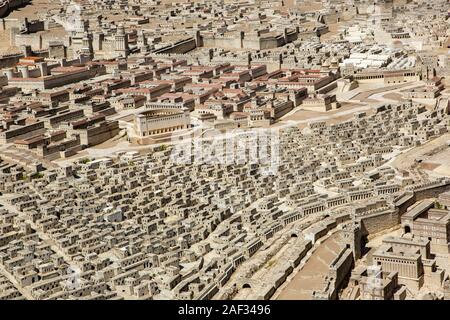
[(219, 149)]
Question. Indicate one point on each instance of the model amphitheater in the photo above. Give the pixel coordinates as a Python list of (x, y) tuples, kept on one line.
[(251, 150)]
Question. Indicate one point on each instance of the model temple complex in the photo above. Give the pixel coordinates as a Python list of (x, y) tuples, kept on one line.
[(251, 149)]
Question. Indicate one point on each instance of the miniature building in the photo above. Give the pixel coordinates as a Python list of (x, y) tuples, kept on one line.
[(425, 221), (159, 122)]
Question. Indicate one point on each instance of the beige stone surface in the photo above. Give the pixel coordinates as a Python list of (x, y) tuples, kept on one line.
[(311, 276)]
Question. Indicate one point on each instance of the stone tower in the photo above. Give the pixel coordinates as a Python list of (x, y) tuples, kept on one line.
[(352, 238), (198, 39), (121, 41), (87, 48), (98, 39), (142, 42)]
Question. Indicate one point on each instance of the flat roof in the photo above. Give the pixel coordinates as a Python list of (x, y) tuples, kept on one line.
[(418, 209)]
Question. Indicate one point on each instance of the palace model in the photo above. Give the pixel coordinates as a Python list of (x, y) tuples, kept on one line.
[(251, 149)]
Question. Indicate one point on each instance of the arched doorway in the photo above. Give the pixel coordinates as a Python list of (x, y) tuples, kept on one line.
[(407, 229)]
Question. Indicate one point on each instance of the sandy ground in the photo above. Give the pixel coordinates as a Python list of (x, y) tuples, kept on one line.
[(363, 96), (406, 160), (307, 5), (33, 10), (105, 149), (344, 113), (306, 114), (439, 163), (5, 43), (394, 96)]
